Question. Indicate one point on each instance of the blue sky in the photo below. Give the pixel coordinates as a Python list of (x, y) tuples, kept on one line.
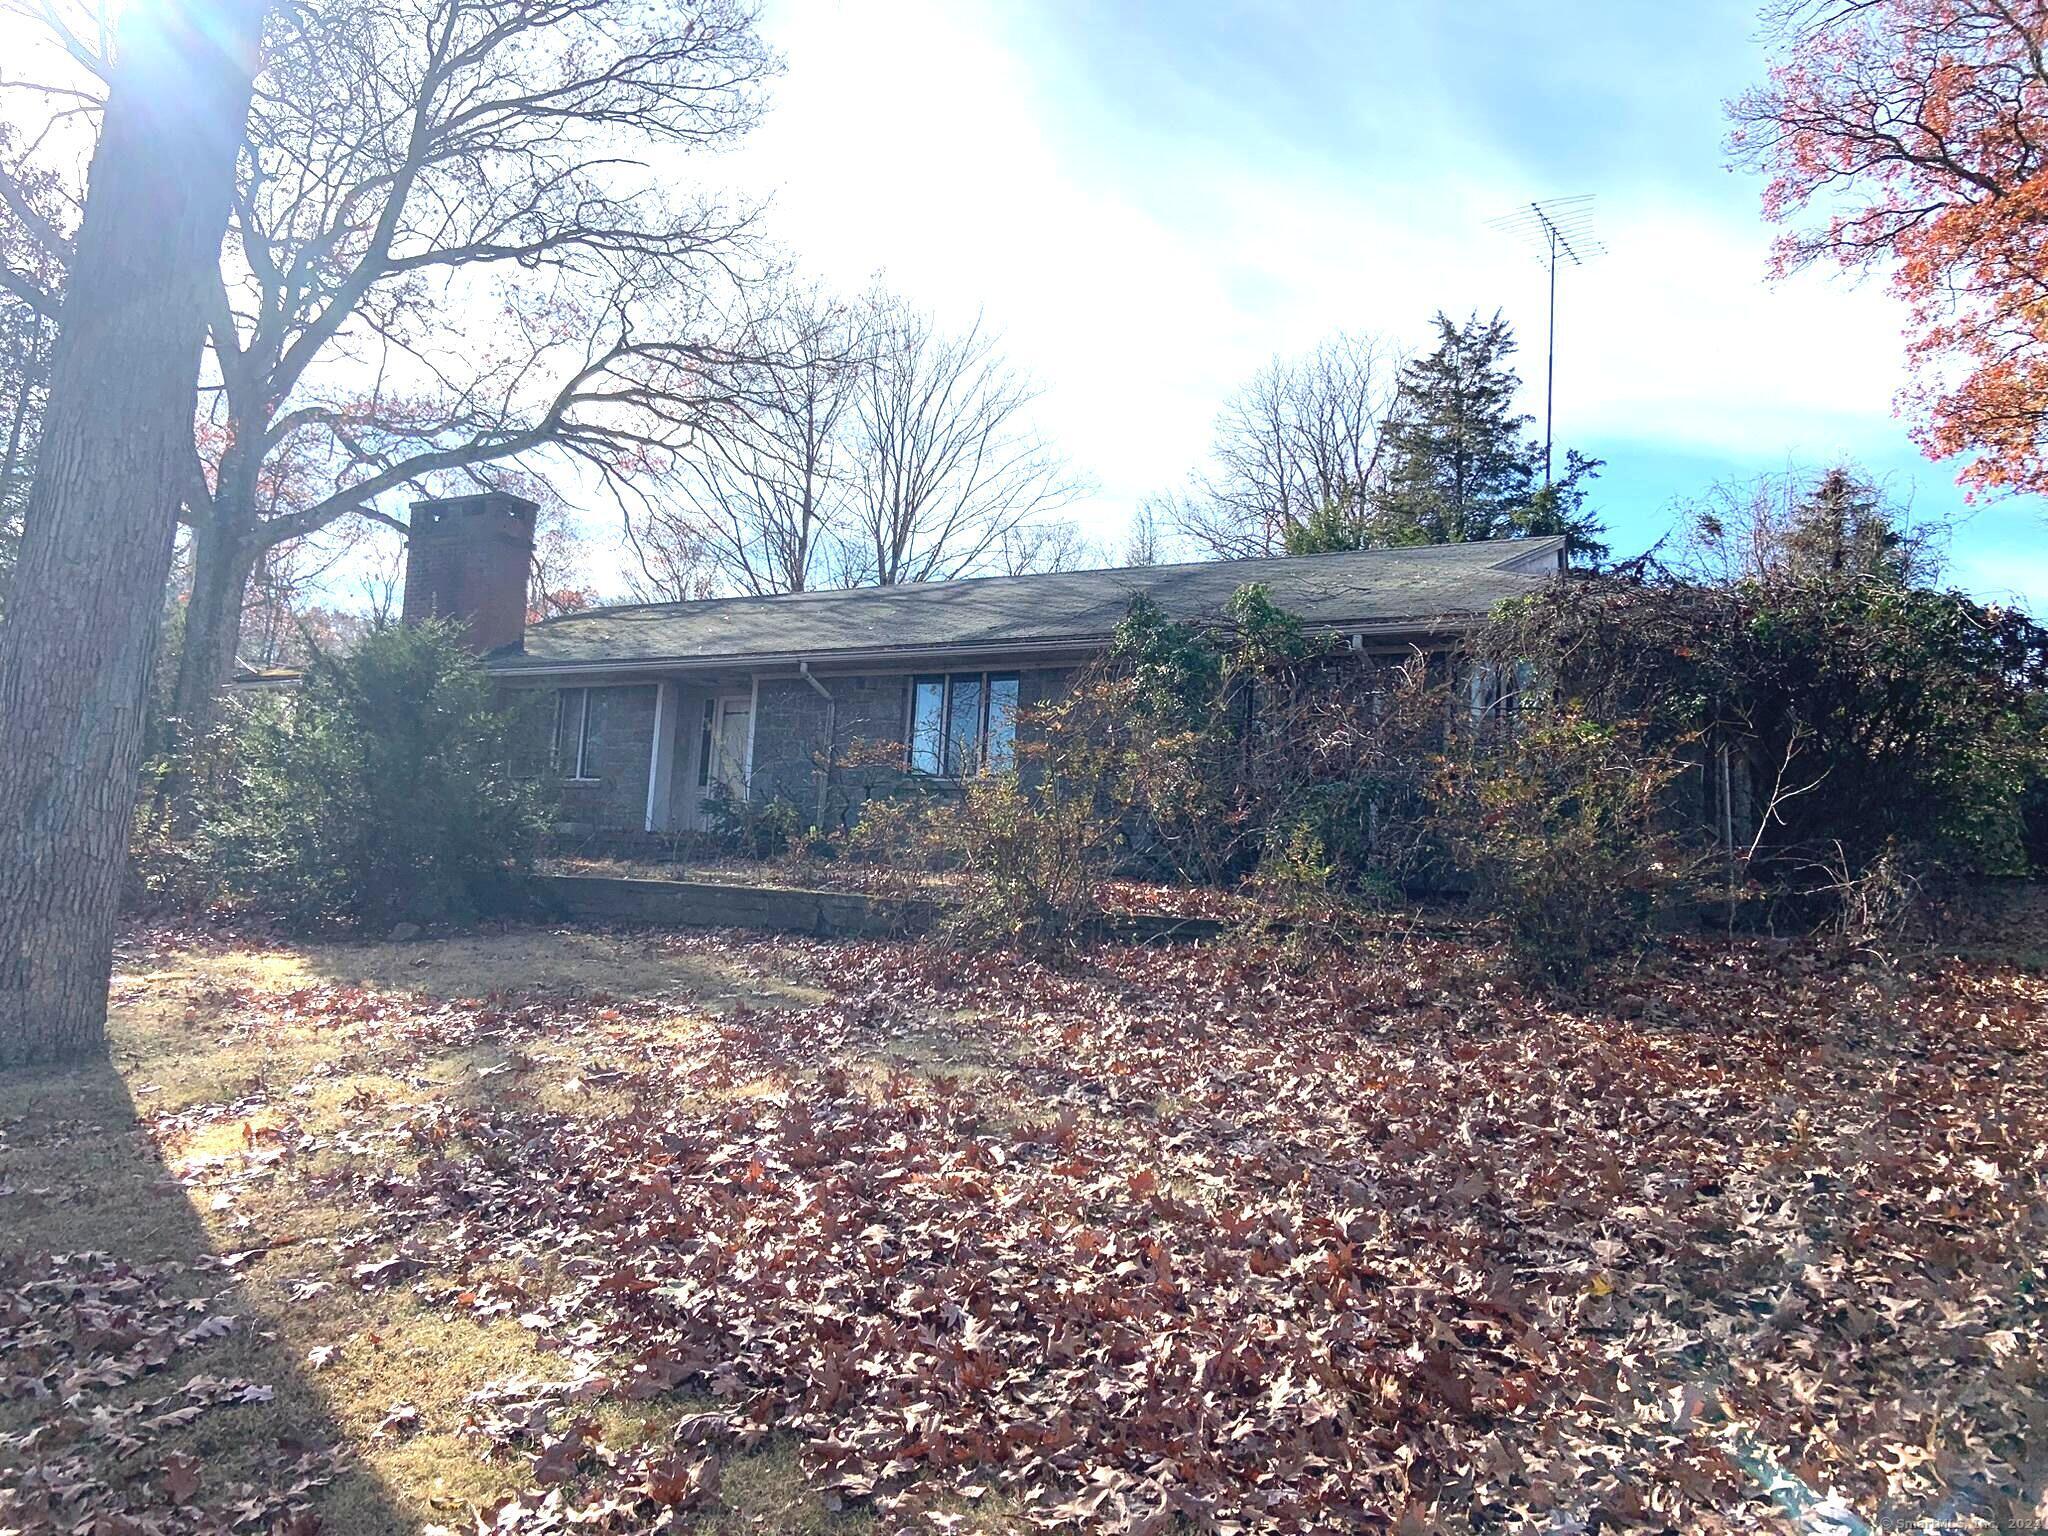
[(1150, 200)]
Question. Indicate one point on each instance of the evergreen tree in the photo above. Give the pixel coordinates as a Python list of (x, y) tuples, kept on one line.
[(1462, 466), (1331, 526), (1560, 508), (1845, 528), (1802, 528)]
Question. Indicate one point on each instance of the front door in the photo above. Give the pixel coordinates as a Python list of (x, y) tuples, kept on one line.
[(729, 747)]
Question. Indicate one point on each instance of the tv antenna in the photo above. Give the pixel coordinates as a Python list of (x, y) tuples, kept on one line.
[(1558, 228)]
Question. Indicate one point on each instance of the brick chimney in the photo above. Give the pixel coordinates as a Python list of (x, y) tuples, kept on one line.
[(468, 558)]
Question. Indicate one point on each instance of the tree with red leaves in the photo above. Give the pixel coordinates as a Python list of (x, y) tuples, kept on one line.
[(1913, 135)]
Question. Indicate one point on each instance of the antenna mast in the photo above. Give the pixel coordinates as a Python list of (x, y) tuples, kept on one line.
[(1559, 227)]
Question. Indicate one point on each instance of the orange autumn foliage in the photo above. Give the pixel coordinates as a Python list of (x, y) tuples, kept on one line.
[(1912, 135)]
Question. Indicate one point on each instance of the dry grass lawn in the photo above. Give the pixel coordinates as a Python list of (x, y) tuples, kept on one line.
[(224, 1053), (550, 1229)]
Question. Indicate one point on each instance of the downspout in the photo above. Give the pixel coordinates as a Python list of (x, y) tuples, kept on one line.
[(831, 740)]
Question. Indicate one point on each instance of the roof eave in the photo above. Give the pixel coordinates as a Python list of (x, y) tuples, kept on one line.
[(907, 656)]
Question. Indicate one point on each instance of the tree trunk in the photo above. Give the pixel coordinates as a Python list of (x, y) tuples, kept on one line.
[(82, 624), (222, 559)]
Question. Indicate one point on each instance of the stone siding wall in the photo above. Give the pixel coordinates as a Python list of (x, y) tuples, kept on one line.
[(868, 716), (612, 795)]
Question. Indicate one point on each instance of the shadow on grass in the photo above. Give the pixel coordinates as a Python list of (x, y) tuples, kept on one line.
[(138, 1373), (207, 1174)]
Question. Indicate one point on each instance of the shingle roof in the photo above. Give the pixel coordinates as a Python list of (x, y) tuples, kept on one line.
[(1388, 589)]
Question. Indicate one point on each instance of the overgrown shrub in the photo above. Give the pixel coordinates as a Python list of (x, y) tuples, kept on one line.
[(383, 791), (768, 831), (1031, 860), (1872, 900), (895, 832), (1563, 826), (169, 868), (1860, 718), (1207, 757), (1296, 873), (2034, 822)]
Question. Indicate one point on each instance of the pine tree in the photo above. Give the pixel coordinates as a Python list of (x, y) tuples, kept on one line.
[(1807, 529), (1462, 466), (1331, 526), (1844, 528), (1560, 508)]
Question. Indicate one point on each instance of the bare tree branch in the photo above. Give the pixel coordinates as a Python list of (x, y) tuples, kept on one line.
[(458, 255), (1303, 434), (766, 503), (944, 463)]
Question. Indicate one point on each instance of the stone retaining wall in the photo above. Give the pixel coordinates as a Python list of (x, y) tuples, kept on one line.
[(786, 909), (704, 904)]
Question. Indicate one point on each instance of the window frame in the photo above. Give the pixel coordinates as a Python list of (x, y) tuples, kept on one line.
[(988, 711), (707, 742), (956, 742), (944, 683), (941, 749), (579, 775)]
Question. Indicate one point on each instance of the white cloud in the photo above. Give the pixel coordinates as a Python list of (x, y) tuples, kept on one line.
[(1141, 276)]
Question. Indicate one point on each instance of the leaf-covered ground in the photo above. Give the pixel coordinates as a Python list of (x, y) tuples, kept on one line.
[(602, 1232), (799, 872)]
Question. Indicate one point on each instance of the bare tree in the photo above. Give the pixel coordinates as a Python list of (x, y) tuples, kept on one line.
[(280, 600), (382, 588), (1053, 544), (1142, 542), (943, 462), (560, 581), (1802, 526), (766, 500), (450, 253), (673, 557), (82, 621), (1304, 435), (455, 244)]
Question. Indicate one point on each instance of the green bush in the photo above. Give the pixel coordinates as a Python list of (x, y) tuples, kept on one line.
[(1296, 872), (1562, 827), (383, 791), (1208, 761), (2034, 823)]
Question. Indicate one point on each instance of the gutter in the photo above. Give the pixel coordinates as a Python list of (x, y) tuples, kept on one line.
[(857, 660)]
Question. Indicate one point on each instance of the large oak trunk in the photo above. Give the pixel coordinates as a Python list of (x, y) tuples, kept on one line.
[(81, 625)]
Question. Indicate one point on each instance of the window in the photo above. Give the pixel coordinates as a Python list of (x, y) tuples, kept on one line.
[(1000, 751), (704, 744), (927, 712), (963, 723), (1494, 692), (572, 733)]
